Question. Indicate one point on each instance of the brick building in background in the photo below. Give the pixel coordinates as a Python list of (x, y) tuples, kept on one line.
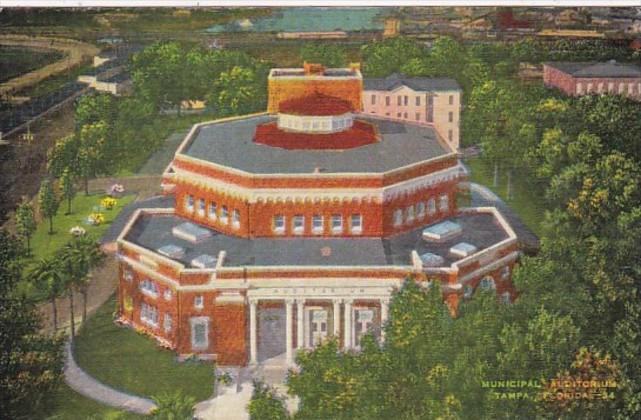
[(297, 224), (585, 78), (435, 102)]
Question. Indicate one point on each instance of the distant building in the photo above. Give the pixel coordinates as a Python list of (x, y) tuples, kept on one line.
[(584, 78), (392, 27), (434, 102)]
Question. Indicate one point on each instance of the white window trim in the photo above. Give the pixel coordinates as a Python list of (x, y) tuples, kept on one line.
[(203, 209), (224, 215), (356, 229), (279, 229), (213, 215), (337, 229), (409, 214), (145, 319), (318, 229), (235, 223), (199, 302), (147, 291), (199, 320), (167, 323), (444, 202), (128, 275), (298, 230), (397, 217), (189, 206), (431, 206), (167, 294)]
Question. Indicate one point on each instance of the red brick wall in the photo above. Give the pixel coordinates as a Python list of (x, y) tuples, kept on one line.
[(230, 333), (556, 78)]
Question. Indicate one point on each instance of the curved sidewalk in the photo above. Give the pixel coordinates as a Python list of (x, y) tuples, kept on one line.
[(84, 384)]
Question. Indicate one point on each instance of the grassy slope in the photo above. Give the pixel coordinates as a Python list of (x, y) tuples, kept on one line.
[(134, 363), (526, 202)]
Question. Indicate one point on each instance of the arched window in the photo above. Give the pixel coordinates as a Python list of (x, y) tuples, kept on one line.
[(468, 291), (487, 283)]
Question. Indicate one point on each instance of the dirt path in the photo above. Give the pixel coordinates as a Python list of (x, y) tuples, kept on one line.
[(75, 52)]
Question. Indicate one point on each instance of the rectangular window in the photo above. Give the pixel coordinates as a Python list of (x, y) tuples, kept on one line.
[(420, 210), (128, 275), (167, 294), (199, 302), (610, 87), (357, 223), (149, 288), (621, 88), (213, 211), (399, 100), (409, 214), (450, 116), (149, 315), (431, 206), (317, 223), (337, 223), (167, 323), (579, 88), (405, 100), (405, 115), (418, 116), (189, 202), (201, 207), (199, 333), (444, 203), (429, 115), (630, 88), (418, 101), (451, 100), (398, 115), (398, 217), (235, 219), (224, 215), (279, 223), (387, 100), (600, 88), (298, 224), (373, 99), (450, 135), (589, 89)]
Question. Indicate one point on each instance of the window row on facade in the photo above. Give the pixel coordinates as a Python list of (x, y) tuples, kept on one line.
[(419, 210), (612, 87), (404, 100), (211, 210), (317, 226)]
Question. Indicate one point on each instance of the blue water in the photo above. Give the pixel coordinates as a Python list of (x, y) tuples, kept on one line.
[(306, 19)]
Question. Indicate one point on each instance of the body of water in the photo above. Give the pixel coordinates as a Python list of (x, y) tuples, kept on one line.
[(310, 19)]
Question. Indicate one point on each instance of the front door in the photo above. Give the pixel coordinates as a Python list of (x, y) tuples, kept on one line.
[(363, 321), (318, 330)]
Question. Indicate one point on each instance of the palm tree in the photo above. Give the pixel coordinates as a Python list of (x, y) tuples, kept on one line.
[(174, 406), (85, 255), (69, 266), (49, 277)]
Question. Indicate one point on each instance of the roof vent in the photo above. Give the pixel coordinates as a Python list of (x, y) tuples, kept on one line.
[(191, 232), (326, 251), (204, 261), (463, 249), (432, 260), (441, 231), (172, 251)]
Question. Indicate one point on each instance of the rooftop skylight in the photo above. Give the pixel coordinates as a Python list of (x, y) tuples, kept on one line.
[(172, 251), (463, 249), (204, 261), (191, 232), (441, 231)]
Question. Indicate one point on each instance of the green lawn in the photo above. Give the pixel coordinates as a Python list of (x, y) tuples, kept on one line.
[(69, 405), (44, 245), (527, 202), (131, 362)]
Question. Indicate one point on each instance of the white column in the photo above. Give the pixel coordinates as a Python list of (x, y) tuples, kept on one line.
[(252, 333), (337, 317), (384, 314), (300, 330), (348, 324), (288, 331)]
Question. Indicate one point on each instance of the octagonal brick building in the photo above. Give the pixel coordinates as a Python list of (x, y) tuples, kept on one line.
[(297, 224)]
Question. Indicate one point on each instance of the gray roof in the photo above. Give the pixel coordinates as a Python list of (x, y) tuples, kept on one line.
[(610, 68), (154, 231), (421, 84), (479, 229), (231, 144)]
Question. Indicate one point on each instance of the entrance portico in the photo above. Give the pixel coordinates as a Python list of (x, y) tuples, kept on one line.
[(346, 313)]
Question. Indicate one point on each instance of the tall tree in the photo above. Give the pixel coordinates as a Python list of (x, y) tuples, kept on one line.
[(49, 278), (84, 255), (67, 187), (235, 92), (25, 221), (63, 155), (30, 364), (382, 58), (92, 159), (48, 202)]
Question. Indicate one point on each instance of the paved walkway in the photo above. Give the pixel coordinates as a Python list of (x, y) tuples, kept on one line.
[(84, 384)]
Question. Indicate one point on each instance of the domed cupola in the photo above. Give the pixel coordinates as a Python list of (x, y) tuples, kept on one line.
[(315, 113)]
